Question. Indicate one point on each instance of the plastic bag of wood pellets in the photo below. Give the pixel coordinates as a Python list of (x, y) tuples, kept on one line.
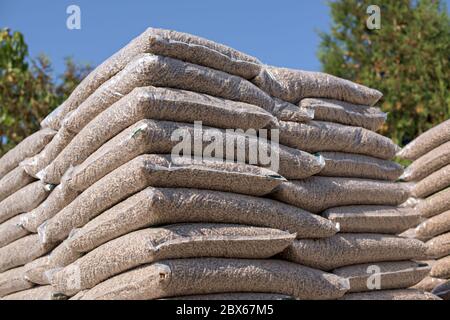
[(13, 281), (349, 249), (317, 194), (435, 182), (162, 206), (235, 297), (286, 111), (27, 148), (373, 219), (24, 200), (434, 226), (41, 270), (173, 44), (428, 284), (180, 277), (388, 295), (22, 251), (439, 246), (441, 269), (34, 271), (318, 136), (434, 205), (148, 136), (391, 275), (443, 291), (52, 120), (371, 118), (295, 85), (158, 171), (13, 181), (358, 166), (60, 197), (158, 104), (426, 142), (201, 51), (11, 230), (411, 234), (428, 163), (148, 70), (36, 163), (37, 293), (410, 203), (171, 242)]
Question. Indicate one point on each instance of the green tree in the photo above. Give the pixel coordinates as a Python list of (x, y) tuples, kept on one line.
[(407, 59), (27, 90)]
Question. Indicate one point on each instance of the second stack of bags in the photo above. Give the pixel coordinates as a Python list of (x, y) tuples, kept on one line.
[(430, 176)]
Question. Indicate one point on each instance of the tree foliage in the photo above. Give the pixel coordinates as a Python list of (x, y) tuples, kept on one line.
[(407, 59), (28, 91)]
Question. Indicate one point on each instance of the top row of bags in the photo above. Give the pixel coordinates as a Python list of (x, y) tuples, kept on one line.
[(286, 84)]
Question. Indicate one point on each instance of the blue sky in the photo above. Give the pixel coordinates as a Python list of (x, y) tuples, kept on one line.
[(278, 32)]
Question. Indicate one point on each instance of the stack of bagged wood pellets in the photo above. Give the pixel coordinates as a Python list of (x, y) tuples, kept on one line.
[(429, 174), (183, 169)]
